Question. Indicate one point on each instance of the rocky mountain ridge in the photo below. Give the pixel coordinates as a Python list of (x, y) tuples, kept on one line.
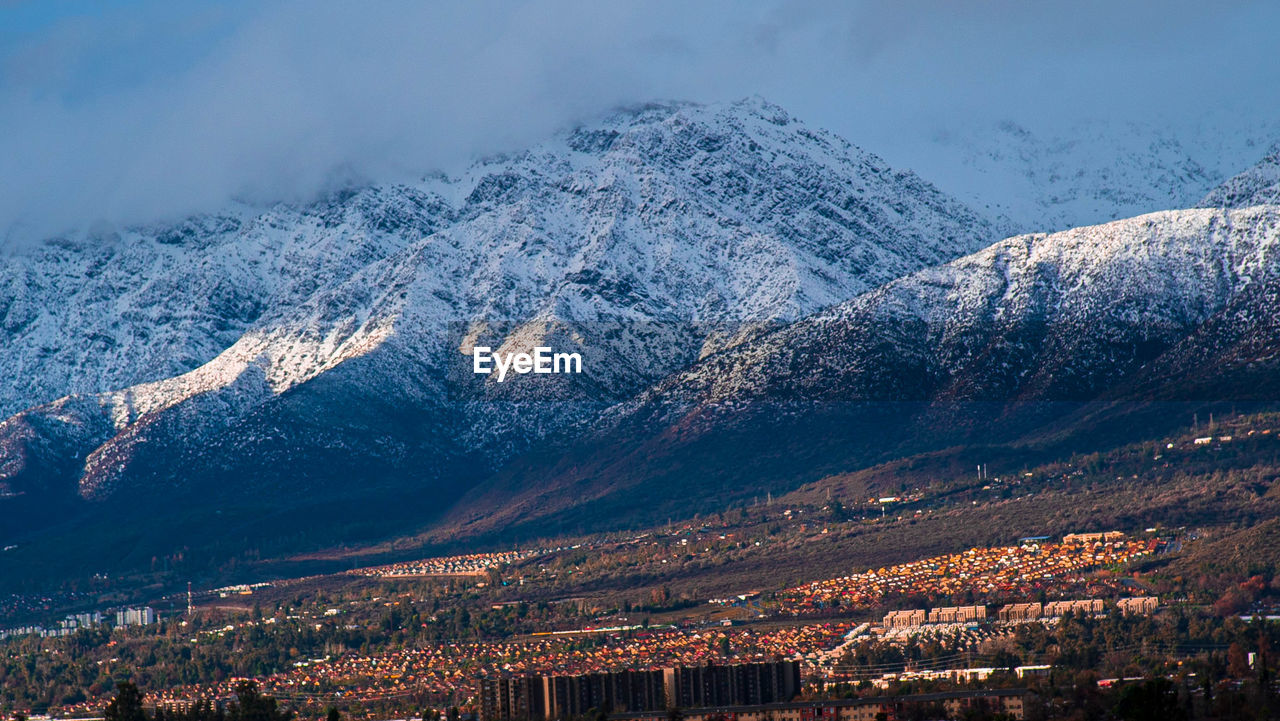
[(1014, 340), (653, 236)]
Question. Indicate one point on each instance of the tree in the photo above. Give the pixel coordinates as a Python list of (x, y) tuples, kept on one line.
[(253, 706), (838, 512), (127, 705), (1237, 661), (1155, 699), (1006, 659)]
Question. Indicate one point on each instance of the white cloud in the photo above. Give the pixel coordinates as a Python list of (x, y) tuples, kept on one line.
[(156, 110)]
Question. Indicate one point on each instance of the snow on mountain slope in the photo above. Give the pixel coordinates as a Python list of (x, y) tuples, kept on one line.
[(1092, 172), (1057, 316), (1232, 357), (1002, 341), (684, 218), (1258, 185), (99, 313)]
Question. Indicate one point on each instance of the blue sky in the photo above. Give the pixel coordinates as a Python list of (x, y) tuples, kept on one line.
[(135, 111)]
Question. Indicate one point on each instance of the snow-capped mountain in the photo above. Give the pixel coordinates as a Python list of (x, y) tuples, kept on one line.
[(1088, 173), (1258, 185), (111, 310), (1174, 307), (734, 280), (322, 339), (1052, 317)]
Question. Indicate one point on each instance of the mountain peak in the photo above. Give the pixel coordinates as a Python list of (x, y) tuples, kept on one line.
[(653, 236)]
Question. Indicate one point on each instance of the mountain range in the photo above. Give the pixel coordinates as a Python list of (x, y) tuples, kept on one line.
[(1045, 179), (758, 304)]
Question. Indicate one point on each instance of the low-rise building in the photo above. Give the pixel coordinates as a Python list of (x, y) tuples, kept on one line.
[(1141, 605), (1020, 612), (144, 616)]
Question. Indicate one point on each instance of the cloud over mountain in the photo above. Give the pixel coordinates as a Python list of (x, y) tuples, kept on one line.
[(156, 110)]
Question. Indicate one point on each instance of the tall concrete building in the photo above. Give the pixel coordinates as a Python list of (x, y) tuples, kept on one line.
[(564, 696)]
